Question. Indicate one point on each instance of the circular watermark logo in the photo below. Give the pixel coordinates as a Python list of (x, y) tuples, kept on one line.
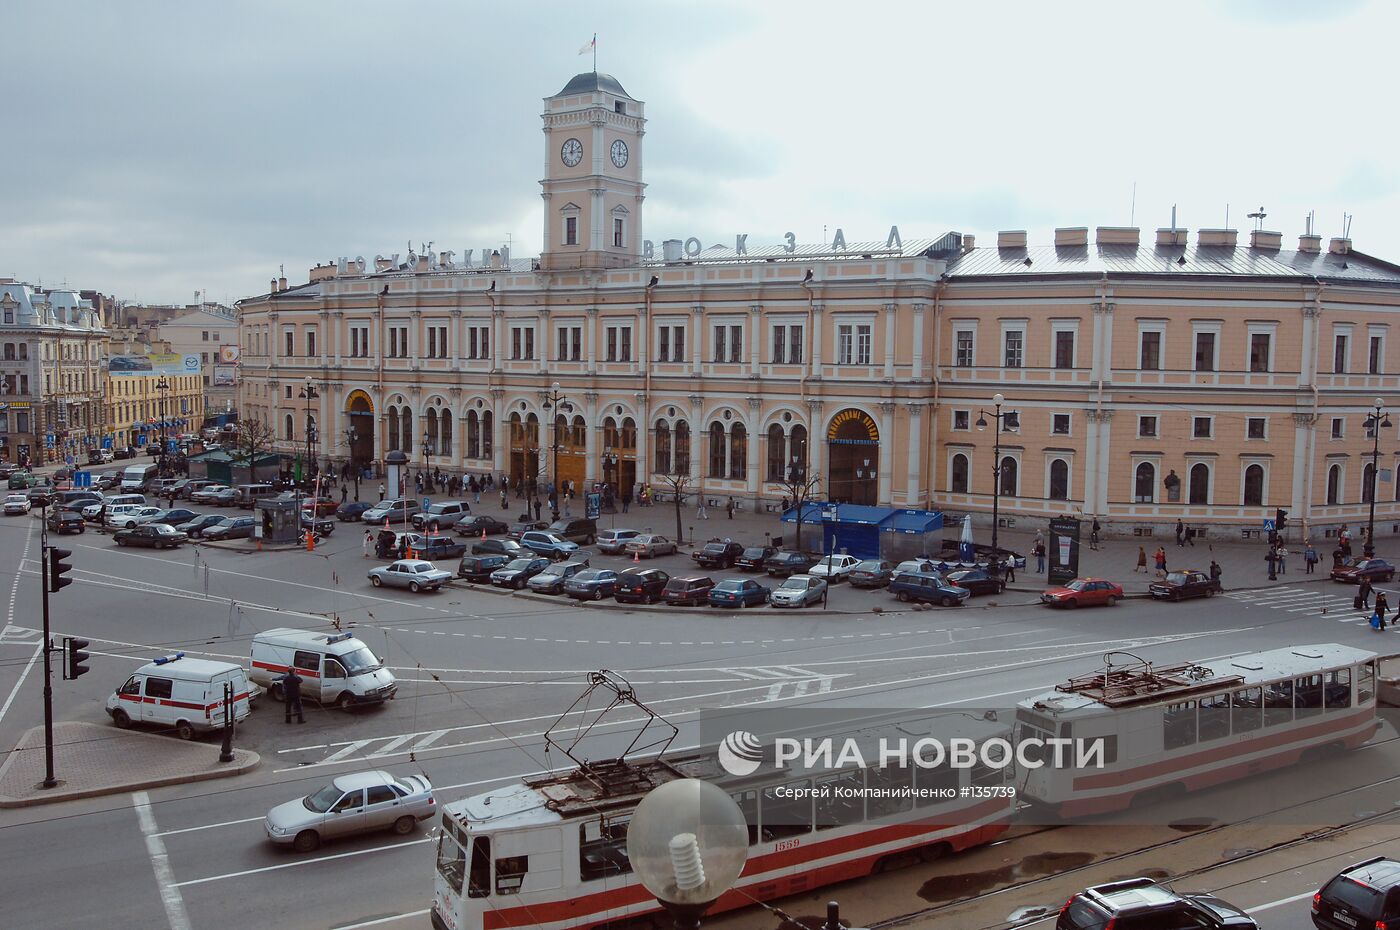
[(740, 753)]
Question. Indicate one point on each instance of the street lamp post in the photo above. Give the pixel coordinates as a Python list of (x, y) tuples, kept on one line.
[(1000, 418), (309, 393), (610, 460), (559, 404), (350, 436), (1377, 421), (162, 388)]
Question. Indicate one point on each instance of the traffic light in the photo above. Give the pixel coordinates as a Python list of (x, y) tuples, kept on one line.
[(1280, 519), (58, 568), (75, 658)]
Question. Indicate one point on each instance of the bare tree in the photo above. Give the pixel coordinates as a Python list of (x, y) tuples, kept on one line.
[(255, 438), (799, 486), (680, 488)]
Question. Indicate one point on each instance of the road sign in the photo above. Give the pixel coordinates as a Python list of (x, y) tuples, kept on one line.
[(82, 479), (1268, 525), (426, 503), (592, 505)]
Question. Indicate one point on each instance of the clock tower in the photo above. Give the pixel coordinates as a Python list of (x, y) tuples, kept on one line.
[(592, 185)]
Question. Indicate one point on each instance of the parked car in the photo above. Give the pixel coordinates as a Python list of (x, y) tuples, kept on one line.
[(134, 516), (612, 542), (752, 558), (478, 568), (66, 521), (323, 506), (640, 585), (107, 480), (649, 545), (414, 574), (553, 579), (195, 527), (22, 480), (230, 528), (798, 591), (872, 573), (99, 456), (40, 496), (1084, 592), (499, 547), (922, 565), (16, 505), (1372, 570), (834, 568), (226, 497), (172, 516), (356, 803), (785, 564), (193, 486), (718, 554), (691, 590), (124, 453), (977, 580), (395, 511), (441, 516), (433, 548), (592, 584), (206, 494), (548, 544), (1364, 895), (152, 535), (1181, 585), (579, 530), (739, 592), (520, 528), (926, 586), (321, 526), (1142, 904), (351, 511), (517, 572), (476, 524)]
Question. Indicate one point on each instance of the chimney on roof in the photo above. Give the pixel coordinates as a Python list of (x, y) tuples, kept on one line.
[(1339, 246), (969, 242), (1228, 238), (1265, 239), (1117, 235), (272, 287), (1071, 236), (1309, 242), (1011, 239), (281, 284), (1170, 235)]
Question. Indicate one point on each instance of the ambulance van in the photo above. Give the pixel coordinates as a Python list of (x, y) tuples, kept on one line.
[(336, 668), (180, 693)]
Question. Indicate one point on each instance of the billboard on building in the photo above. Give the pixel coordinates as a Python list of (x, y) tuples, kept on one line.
[(228, 354), (225, 376), (163, 364)]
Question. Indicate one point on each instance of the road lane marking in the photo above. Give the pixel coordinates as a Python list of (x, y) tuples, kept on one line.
[(293, 865), (348, 750), (208, 826), (382, 920), (160, 862), (1279, 903), (39, 648)]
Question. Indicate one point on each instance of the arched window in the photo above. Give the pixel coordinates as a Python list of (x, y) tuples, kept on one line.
[(393, 428), (717, 455), (1059, 480), (532, 431), (9, 351), (682, 466), (629, 434), (444, 432), (1368, 484), (1334, 484), (1144, 483), (1199, 490), (663, 448), (486, 441), (473, 435), (1009, 478), (578, 434), (289, 427), (957, 475), (611, 439), (738, 451), (406, 430), (1254, 486), (797, 448), (430, 430), (777, 453)]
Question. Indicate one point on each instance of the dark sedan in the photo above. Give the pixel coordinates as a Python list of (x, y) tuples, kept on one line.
[(517, 572), (351, 511), (516, 530), (196, 527), (499, 547), (478, 568), (752, 558), (66, 521), (153, 535), (172, 517), (479, 524), (739, 592), (592, 584), (718, 554), (976, 580), (784, 564), (231, 528), (640, 585), (872, 573), (1178, 586), (1372, 570)]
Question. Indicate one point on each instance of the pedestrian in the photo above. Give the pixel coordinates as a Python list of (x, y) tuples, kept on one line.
[(369, 538), (730, 507), (102, 519), (700, 512), (1009, 569), (403, 547), (537, 509), (626, 499), (344, 494), (1344, 541), (1180, 533), (1039, 551), (1363, 593), (505, 500), (1382, 606), (1282, 554), (1271, 557), (1215, 573), (825, 588), (1309, 557), (381, 490), (291, 694), (786, 504), (1337, 557), (1191, 537), (1160, 558), (1141, 562), (1094, 535)]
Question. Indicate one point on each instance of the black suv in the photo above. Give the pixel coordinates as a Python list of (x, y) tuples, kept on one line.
[(1142, 904), (1365, 895), (718, 554), (640, 585)]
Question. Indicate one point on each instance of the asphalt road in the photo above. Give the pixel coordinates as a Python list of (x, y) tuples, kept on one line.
[(483, 676)]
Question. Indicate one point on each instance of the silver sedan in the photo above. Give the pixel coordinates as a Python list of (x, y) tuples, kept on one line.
[(357, 803), (413, 574)]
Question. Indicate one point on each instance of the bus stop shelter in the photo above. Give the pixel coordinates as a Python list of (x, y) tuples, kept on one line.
[(890, 533)]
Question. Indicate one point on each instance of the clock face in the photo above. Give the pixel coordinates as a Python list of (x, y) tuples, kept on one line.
[(619, 153), (572, 152)]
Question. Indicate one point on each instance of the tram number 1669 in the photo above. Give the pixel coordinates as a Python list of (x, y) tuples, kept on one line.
[(786, 844)]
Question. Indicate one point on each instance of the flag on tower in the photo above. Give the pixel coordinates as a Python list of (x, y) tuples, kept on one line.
[(592, 44)]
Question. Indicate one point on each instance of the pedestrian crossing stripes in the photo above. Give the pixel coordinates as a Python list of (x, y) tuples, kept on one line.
[(1333, 603)]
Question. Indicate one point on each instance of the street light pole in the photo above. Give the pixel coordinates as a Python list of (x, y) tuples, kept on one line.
[(309, 393), (999, 418), (557, 403), (1377, 421), (162, 387), (351, 435)]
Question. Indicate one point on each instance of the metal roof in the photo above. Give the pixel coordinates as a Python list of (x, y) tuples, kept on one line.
[(590, 81)]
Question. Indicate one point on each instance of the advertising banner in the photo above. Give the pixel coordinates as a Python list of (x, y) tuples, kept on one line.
[(163, 364), (225, 376), (228, 354), (1063, 550)]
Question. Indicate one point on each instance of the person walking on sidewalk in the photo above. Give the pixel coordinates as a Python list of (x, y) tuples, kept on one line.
[(1141, 562), (1271, 557), (1180, 533), (1363, 594), (1191, 537), (1161, 561), (1038, 550), (1282, 554), (1009, 569), (291, 694), (1094, 535), (1382, 606), (700, 512), (369, 538), (1309, 557), (729, 507)]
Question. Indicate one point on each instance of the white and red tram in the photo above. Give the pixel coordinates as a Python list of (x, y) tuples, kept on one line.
[(1168, 730), (550, 852)]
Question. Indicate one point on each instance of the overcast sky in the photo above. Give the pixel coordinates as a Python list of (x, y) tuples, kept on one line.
[(160, 148)]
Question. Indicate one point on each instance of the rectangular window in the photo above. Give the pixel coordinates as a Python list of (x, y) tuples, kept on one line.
[(1205, 351), (779, 344), (290, 348), (1015, 348), (663, 344), (963, 339), (1373, 357), (1059, 424), (719, 342), (204, 336), (1259, 351), (1200, 427), (1064, 349), (310, 343), (478, 342), (1255, 428), (515, 342), (853, 344), (1338, 423), (1339, 354), (440, 349), (1151, 354), (1147, 426), (571, 230), (736, 344), (619, 344), (962, 419), (432, 342), (617, 232), (864, 338), (570, 343)]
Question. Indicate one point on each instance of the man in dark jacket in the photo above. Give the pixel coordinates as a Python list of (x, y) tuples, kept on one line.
[(291, 693)]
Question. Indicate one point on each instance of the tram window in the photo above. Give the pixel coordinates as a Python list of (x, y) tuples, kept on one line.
[(787, 809), (1307, 695), (510, 873), (885, 783), (479, 883), (1214, 720), (1179, 725), (602, 849), (1278, 703), (986, 775), (451, 861), (838, 800), (1337, 692), (1365, 683), (1247, 710), (748, 806), (935, 784), (1110, 749)]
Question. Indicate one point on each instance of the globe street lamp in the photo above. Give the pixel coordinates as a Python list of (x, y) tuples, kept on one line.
[(1003, 421), (1377, 421), (560, 404), (350, 436), (162, 388), (309, 393)]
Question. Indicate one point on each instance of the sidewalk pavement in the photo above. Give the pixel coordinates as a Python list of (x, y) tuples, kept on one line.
[(92, 760)]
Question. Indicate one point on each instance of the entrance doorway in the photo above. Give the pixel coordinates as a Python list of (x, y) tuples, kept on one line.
[(359, 436), (853, 458)]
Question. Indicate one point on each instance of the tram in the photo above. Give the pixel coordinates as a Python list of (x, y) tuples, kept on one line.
[(1179, 728)]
